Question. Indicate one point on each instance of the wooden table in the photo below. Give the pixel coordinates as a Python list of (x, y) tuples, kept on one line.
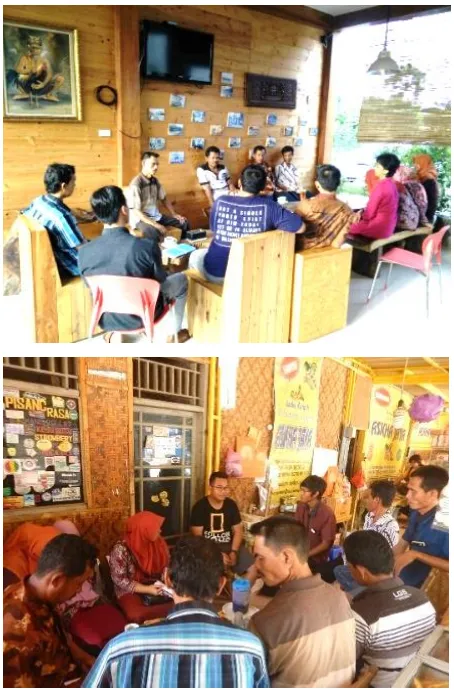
[(181, 263)]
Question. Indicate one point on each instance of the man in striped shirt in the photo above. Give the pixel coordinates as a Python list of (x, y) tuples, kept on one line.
[(53, 214), (378, 501), (392, 619), (193, 647), (308, 628), (287, 176)]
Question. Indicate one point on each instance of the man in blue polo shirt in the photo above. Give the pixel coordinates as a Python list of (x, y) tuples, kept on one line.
[(52, 213), (233, 217), (423, 547)]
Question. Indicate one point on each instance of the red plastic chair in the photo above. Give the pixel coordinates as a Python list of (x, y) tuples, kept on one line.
[(431, 248), (126, 295)]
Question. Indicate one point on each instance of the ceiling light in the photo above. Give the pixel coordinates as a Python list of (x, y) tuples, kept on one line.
[(384, 64)]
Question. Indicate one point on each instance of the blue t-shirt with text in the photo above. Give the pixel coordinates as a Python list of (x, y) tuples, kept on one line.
[(421, 536), (233, 217)]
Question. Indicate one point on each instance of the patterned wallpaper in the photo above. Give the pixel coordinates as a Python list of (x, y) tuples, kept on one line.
[(333, 391)]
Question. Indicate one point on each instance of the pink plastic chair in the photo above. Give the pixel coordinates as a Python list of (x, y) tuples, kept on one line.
[(431, 247), (125, 295)]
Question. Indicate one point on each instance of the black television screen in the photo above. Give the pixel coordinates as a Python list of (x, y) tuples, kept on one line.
[(175, 54)]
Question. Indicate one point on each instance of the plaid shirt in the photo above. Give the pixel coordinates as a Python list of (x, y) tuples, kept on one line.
[(61, 225), (192, 648)]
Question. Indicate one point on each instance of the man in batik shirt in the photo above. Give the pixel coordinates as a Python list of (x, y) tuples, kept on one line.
[(36, 651)]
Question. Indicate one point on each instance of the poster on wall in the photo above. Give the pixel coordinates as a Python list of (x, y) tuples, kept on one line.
[(41, 450), (384, 448), (296, 392)]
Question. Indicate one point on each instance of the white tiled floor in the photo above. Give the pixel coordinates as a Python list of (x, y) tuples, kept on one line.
[(397, 315)]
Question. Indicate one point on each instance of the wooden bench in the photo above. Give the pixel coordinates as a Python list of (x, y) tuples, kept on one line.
[(253, 305), (321, 288), (367, 254), (53, 311)]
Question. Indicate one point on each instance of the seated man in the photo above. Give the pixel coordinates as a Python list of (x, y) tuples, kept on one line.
[(193, 647), (144, 196), (327, 218), (36, 653), (213, 177), (216, 517), (378, 502), (233, 217), (259, 158), (392, 619), (423, 547), (117, 253), (319, 520), (287, 176), (308, 628), (50, 211)]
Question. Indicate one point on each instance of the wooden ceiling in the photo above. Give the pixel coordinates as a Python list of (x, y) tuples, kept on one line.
[(422, 374), (329, 23)]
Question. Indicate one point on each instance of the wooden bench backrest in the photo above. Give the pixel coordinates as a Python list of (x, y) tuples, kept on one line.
[(56, 312), (258, 289)]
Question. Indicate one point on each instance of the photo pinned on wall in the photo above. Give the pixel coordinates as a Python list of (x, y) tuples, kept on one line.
[(271, 119), (298, 141), (156, 114), (221, 154), (176, 157), (198, 143), (215, 130), (270, 142), (226, 91), (235, 143), (198, 116), (313, 131), (177, 100), (235, 120), (288, 131), (227, 78), (157, 143), (253, 131), (175, 130), (302, 122)]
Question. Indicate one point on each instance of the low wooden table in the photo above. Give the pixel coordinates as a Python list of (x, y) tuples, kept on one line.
[(181, 262)]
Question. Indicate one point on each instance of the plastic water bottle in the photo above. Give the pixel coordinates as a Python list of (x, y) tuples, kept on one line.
[(241, 593)]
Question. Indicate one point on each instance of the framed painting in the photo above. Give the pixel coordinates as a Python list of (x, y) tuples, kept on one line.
[(41, 73)]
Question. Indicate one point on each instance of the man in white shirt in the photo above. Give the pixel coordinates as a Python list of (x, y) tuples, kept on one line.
[(378, 502), (287, 176), (214, 177)]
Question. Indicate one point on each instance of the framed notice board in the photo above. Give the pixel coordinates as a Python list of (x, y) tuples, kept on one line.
[(41, 449)]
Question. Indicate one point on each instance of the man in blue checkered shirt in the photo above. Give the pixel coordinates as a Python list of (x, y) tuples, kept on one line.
[(50, 211), (193, 647)]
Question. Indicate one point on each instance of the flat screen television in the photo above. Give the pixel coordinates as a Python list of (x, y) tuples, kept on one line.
[(172, 53)]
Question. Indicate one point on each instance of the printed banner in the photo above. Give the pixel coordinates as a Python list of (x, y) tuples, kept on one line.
[(384, 447), (296, 392), (41, 450)]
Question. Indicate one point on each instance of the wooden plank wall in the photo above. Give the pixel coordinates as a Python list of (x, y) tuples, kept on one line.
[(245, 41), (28, 147)]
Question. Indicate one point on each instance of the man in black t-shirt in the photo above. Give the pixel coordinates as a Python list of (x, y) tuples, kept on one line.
[(217, 518)]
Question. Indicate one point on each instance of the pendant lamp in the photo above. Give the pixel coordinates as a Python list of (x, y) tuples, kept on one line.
[(384, 64), (401, 410)]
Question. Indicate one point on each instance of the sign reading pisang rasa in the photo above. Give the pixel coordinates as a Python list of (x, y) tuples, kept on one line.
[(296, 392), (383, 446)]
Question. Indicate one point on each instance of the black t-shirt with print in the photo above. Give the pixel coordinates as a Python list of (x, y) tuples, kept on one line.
[(217, 523)]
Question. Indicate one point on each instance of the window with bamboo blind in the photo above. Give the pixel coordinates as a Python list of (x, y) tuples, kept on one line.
[(414, 105)]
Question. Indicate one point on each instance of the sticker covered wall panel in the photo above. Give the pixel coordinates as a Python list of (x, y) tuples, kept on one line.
[(41, 450)]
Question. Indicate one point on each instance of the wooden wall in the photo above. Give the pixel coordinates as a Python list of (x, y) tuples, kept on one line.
[(245, 41), (28, 147)]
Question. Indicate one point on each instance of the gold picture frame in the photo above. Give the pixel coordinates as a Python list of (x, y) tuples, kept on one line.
[(41, 78)]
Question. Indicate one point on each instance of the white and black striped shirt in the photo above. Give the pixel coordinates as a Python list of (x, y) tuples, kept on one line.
[(392, 620), (386, 525), (287, 176)]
